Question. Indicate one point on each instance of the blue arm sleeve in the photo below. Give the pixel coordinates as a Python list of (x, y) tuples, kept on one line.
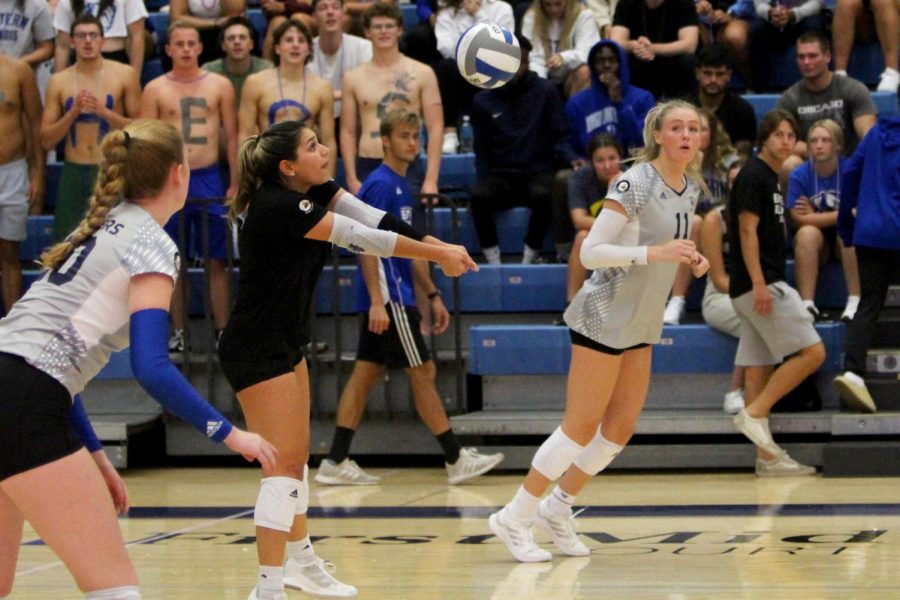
[(156, 374), (82, 426)]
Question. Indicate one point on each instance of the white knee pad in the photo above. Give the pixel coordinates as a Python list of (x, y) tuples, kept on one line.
[(597, 455), (556, 455), (126, 592), (276, 502), (302, 504)]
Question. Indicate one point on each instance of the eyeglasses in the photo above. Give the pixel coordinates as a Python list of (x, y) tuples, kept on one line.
[(87, 35), (383, 27)]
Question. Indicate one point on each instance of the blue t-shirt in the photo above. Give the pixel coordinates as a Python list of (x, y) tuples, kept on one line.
[(388, 191), (824, 193)]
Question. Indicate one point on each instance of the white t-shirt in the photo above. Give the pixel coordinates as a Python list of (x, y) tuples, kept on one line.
[(451, 23), (115, 19), (22, 28), (353, 52), (205, 9)]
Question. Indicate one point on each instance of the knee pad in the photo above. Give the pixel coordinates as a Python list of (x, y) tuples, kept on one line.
[(556, 455), (302, 503), (597, 455), (276, 503), (126, 592)]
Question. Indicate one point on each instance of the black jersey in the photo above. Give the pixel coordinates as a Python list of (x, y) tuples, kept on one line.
[(279, 272), (756, 190)]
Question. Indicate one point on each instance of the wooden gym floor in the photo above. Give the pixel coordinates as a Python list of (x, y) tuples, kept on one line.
[(672, 536)]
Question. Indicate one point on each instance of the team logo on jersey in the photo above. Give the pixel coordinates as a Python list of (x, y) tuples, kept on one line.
[(406, 214), (306, 206), (213, 427), (623, 186)]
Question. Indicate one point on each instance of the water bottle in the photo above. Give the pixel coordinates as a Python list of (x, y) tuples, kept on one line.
[(466, 136)]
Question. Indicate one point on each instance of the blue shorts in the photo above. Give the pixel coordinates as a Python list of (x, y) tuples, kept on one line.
[(205, 183)]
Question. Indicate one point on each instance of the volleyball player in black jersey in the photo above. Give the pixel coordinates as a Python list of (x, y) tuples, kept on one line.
[(291, 215)]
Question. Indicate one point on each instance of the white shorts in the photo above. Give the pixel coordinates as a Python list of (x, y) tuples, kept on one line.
[(718, 311), (769, 339), (14, 200)]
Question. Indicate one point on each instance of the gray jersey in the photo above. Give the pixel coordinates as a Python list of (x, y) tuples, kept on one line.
[(73, 318), (621, 307)]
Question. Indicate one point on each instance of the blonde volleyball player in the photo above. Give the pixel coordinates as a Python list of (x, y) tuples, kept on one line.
[(634, 248)]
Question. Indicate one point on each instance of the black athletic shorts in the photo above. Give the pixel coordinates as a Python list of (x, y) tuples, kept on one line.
[(35, 424), (586, 342), (401, 346), (242, 374)]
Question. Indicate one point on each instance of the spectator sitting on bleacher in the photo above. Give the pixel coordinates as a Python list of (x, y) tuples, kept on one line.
[(289, 91), (452, 21), (236, 40), (208, 17), (587, 189), (717, 309), (521, 140), (561, 32), (22, 169), (775, 326), (611, 105), (26, 31), (813, 198), (202, 107), (335, 52), (779, 23), (660, 37), (371, 90), (84, 102), (863, 16), (123, 29), (822, 95), (733, 112), (869, 220)]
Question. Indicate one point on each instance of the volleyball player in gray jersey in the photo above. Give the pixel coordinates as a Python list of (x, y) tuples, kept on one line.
[(634, 247), (107, 286)]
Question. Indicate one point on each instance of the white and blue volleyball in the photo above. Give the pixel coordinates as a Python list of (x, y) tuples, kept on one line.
[(487, 55)]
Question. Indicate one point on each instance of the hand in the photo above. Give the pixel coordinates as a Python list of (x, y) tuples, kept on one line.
[(703, 7), (699, 266), (802, 207), (117, 490), (679, 251), (578, 163), (36, 189), (762, 299), (430, 187), (554, 62), (455, 261), (440, 317), (250, 446), (644, 52), (85, 102), (720, 17), (378, 319), (613, 86), (232, 190)]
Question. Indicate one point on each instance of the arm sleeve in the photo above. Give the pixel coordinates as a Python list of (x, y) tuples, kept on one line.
[(83, 427), (134, 11), (444, 32), (584, 37), (373, 212), (762, 9), (808, 9), (851, 174), (62, 16), (599, 248), (43, 25), (796, 186), (159, 377)]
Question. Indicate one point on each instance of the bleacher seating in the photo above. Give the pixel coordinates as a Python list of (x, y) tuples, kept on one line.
[(885, 103)]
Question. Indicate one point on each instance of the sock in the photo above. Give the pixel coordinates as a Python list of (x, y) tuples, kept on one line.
[(559, 502), (676, 301), (852, 303), (841, 72), (340, 445), (492, 255), (271, 582), (891, 71), (450, 446), (810, 306), (528, 255), (301, 551), (523, 506)]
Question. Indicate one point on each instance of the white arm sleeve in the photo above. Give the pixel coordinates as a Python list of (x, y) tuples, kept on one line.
[(600, 248), (361, 239), (350, 206)]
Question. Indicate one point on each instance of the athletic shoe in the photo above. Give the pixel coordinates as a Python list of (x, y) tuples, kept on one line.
[(889, 81), (782, 466), (734, 402), (518, 537), (674, 311), (176, 342), (757, 430), (347, 472), (451, 143), (471, 464), (853, 391), (316, 579), (811, 308), (850, 309), (561, 529), (278, 596)]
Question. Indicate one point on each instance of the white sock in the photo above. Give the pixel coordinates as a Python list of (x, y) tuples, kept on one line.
[(676, 301), (892, 71), (492, 255), (841, 72), (523, 506), (528, 255), (125, 592), (271, 582), (301, 551), (852, 303), (810, 305), (559, 502)]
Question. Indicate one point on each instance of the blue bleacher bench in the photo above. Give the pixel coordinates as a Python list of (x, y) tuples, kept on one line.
[(885, 103)]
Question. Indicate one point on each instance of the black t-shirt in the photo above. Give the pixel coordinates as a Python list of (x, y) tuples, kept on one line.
[(756, 190), (279, 272), (737, 117), (660, 24)]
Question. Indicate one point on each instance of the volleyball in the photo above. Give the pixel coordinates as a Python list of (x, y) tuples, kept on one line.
[(487, 55)]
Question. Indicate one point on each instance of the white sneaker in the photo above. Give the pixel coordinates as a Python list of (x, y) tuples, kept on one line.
[(347, 472), (890, 81), (278, 596), (518, 538), (734, 402), (757, 430), (471, 464), (451, 142), (561, 530), (811, 308), (782, 466), (176, 342), (853, 391), (674, 311), (850, 309), (315, 578)]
